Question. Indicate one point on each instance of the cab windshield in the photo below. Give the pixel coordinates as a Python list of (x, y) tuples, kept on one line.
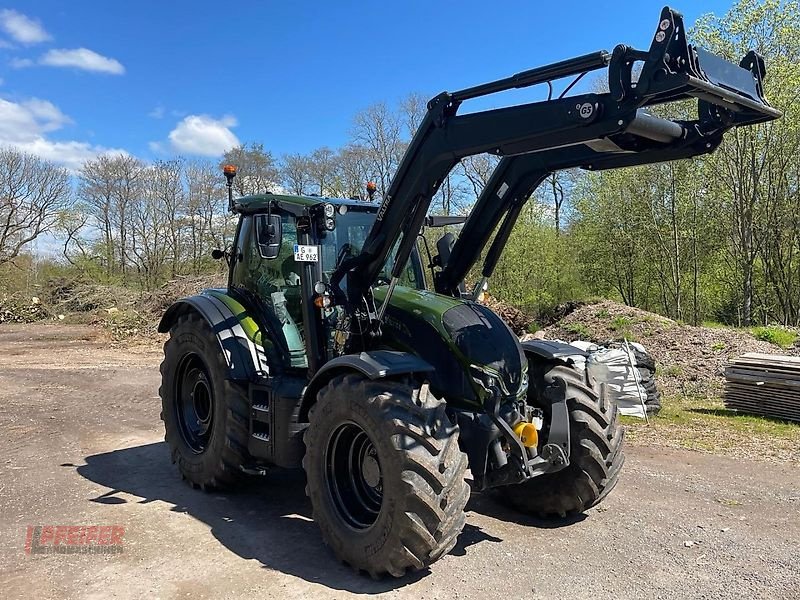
[(347, 240)]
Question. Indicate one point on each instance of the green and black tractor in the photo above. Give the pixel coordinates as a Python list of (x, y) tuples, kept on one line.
[(343, 345)]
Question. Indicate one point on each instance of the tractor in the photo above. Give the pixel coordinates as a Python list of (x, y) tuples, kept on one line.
[(344, 346)]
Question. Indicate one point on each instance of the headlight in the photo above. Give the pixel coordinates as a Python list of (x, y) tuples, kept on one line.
[(330, 210)]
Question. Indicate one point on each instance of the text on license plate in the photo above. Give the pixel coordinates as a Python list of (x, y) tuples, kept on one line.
[(306, 253)]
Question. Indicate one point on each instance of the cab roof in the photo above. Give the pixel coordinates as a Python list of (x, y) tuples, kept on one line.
[(256, 202)]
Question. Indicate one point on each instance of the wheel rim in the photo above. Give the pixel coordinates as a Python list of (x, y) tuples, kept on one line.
[(195, 406), (353, 476)]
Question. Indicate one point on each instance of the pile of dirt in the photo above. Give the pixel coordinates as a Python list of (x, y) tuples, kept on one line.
[(67, 295), (123, 311), (161, 299), (690, 360), (516, 319), (19, 308)]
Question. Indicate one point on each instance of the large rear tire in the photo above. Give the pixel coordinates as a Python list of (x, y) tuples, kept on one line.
[(596, 438), (204, 414), (385, 474)]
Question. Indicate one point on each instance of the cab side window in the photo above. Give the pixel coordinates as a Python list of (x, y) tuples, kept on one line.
[(262, 276)]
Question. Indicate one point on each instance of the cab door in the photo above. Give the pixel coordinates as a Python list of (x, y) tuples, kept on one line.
[(267, 279)]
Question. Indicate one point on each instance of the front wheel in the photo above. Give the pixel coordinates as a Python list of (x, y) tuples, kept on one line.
[(385, 474), (596, 437)]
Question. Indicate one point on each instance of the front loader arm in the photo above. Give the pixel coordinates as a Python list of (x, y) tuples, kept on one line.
[(605, 130), (516, 178)]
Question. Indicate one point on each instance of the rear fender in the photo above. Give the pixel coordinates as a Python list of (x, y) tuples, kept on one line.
[(242, 356), (377, 364)]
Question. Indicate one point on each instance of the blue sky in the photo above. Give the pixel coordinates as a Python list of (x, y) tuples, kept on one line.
[(193, 77)]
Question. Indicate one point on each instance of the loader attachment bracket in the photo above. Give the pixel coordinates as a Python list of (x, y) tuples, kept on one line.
[(673, 68)]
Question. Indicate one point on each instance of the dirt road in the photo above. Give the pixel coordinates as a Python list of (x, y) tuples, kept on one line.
[(82, 444)]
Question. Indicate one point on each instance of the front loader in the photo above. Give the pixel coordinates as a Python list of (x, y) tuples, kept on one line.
[(328, 350)]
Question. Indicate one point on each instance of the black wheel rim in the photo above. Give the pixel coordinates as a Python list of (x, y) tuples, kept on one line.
[(195, 403), (353, 476)]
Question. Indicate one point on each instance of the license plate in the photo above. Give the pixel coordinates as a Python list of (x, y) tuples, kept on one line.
[(306, 253)]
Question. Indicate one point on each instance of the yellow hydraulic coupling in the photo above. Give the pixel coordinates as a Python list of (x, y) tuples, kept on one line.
[(527, 433)]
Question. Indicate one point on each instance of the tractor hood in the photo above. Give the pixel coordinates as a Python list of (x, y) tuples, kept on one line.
[(470, 346)]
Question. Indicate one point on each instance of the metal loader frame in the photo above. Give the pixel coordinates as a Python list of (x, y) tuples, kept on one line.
[(593, 131)]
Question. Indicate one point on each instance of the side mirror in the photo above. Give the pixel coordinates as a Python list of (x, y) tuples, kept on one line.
[(269, 235), (216, 254), (445, 247)]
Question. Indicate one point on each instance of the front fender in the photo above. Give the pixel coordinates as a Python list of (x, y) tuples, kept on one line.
[(551, 351), (241, 354), (376, 364)]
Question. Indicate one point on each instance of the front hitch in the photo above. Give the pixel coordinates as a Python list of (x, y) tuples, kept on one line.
[(519, 466)]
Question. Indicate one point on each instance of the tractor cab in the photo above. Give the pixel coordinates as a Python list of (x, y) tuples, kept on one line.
[(285, 251)]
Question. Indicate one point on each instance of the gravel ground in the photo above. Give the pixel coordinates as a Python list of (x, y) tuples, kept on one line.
[(82, 444)]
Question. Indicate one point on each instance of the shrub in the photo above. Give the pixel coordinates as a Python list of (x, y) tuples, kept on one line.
[(579, 329), (775, 335)]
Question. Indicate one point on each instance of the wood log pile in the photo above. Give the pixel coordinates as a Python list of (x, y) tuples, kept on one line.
[(764, 384)]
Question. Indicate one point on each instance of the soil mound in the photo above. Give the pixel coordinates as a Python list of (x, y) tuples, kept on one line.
[(690, 360)]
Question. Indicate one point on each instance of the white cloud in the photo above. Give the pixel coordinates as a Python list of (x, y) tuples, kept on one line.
[(22, 28), (157, 113), (82, 58), (24, 124), (203, 135), (47, 114), (70, 154)]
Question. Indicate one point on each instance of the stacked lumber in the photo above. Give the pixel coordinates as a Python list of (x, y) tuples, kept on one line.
[(764, 384)]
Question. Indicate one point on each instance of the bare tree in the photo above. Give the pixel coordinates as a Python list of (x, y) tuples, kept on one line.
[(210, 224), (32, 194), (72, 223), (170, 203), (258, 173), (353, 171), (323, 170), (478, 169), (296, 173), (380, 131), (108, 186), (413, 109)]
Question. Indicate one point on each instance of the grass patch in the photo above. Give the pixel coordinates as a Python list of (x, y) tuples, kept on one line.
[(718, 346), (622, 327), (618, 323), (579, 329), (602, 314), (779, 336), (706, 425), (670, 371)]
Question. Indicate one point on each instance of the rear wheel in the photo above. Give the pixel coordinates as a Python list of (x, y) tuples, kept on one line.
[(385, 474), (596, 455), (204, 414)]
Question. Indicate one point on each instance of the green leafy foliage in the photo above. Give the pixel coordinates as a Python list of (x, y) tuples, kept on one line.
[(785, 338)]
